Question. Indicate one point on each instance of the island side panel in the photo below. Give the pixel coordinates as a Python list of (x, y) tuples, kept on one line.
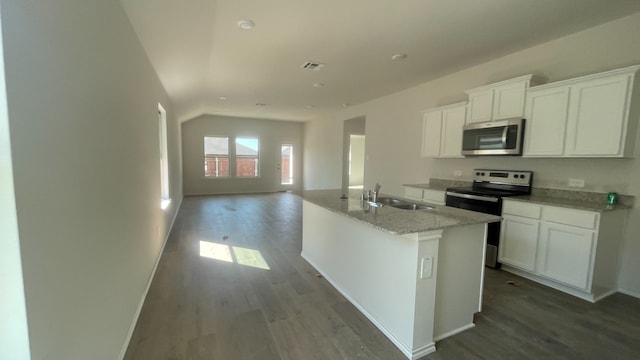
[(375, 270), (460, 279)]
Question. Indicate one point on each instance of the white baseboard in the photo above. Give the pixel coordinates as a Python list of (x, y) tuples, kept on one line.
[(127, 340), (635, 294), (404, 348), (454, 332)]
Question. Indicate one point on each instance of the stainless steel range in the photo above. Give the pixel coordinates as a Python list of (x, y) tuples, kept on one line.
[(485, 196)]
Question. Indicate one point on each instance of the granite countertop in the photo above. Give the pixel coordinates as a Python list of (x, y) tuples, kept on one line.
[(393, 220), (570, 203)]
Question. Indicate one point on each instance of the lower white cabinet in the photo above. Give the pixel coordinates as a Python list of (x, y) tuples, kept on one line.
[(430, 196), (566, 253), (572, 250), (519, 242)]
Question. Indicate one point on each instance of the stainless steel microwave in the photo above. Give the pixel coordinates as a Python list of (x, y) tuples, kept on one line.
[(500, 137)]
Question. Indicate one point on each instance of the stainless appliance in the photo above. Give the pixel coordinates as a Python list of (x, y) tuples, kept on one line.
[(501, 137), (485, 196)]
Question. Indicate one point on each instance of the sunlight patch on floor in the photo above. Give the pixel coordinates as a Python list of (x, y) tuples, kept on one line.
[(233, 254)]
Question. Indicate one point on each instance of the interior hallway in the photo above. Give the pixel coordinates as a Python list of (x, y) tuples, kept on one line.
[(231, 285)]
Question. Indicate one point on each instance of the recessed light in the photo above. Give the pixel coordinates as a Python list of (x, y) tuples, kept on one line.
[(222, 98), (246, 24), (399, 57), (318, 85), (261, 104), (309, 106)]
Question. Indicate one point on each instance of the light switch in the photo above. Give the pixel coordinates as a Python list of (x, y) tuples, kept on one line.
[(426, 268)]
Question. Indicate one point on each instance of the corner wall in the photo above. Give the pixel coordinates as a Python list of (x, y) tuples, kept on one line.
[(82, 101), (394, 128)]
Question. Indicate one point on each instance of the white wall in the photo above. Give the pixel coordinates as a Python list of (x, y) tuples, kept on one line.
[(271, 134), (394, 127), (82, 100), (14, 336)]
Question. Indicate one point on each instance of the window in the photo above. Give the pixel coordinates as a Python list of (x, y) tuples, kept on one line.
[(216, 156), (247, 157), (165, 199)]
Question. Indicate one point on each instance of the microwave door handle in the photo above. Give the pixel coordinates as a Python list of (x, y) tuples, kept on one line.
[(504, 137)]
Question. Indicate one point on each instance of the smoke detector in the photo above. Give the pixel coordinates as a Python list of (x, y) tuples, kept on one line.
[(246, 24)]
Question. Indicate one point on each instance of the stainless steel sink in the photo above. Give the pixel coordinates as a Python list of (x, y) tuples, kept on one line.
[(413, 207), (390, 201), (402, 204)]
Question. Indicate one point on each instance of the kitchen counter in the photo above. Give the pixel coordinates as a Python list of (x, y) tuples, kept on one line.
[(416, 274), (570, 203), (396, 221)]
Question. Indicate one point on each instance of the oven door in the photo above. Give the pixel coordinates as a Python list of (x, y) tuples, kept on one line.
[(484, 204)]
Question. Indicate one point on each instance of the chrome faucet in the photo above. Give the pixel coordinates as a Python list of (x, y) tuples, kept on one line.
[(376, 191)]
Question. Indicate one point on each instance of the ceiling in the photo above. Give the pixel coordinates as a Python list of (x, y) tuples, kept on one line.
[(209, 65)]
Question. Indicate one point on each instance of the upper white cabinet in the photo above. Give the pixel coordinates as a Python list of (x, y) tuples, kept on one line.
[(500, 100), (546, 121), (442, 131), (590, 116)]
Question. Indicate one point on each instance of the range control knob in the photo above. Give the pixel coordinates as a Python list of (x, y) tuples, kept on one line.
[(521, 176), (478, 174)]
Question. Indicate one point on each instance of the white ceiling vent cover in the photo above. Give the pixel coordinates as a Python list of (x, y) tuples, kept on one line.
[(312, 65)]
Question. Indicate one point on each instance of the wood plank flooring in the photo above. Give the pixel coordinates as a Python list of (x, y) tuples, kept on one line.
[(212, 298)]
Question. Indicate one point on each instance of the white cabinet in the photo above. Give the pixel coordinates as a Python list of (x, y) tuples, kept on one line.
[(598, 116), (546, 121), (433, 196), (500, 100), (519, 241), (442, 131), (430, 196), (572, 250), (565, 254), (590, 116), (413, 193)]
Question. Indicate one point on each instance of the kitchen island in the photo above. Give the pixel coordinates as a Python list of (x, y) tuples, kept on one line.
[(416, 274)]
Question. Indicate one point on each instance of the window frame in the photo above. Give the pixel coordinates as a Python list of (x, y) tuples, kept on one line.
[(207, 156), (258, 158)]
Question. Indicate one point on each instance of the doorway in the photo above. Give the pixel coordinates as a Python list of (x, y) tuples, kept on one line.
[(353, 154), (285, 166)]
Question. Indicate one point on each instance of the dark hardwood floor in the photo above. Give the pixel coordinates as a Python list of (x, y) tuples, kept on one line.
[(231, 285)]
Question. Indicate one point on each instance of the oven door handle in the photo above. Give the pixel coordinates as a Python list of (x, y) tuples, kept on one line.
[(473, 197)]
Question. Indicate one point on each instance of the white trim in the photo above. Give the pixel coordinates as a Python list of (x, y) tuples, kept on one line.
[(454, 332), (410, 353), (134, 321), (635, 294)]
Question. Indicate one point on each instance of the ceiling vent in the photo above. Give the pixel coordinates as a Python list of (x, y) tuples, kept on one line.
[(311, 65)]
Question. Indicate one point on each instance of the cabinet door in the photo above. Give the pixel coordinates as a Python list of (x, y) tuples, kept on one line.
[(434, 196), (546, 113), (519, 242), (480, 106), (413, 193), (565, 254), (508, 100), (451, 140), (431, 132), (597, 117)]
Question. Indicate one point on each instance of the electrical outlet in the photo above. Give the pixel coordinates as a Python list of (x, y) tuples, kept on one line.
[(576, 183), (457, 173)]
